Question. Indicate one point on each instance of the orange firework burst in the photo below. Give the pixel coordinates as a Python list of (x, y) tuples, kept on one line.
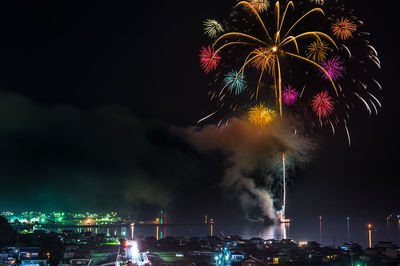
[(259, 5), (264, 58), (343, 28), (260, 116)]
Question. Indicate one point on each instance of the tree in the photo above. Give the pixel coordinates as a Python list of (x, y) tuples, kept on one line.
[(7, 234)]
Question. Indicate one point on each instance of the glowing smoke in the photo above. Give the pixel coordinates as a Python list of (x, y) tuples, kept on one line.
[(249, 149)]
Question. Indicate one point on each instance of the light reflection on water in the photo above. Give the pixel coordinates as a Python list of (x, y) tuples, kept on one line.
[(333, 232)]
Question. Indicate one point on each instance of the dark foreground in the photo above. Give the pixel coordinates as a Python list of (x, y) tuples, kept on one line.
[(72, 248)]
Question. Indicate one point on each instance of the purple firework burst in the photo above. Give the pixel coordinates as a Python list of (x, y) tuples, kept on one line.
[(333, 67), (289, 95)]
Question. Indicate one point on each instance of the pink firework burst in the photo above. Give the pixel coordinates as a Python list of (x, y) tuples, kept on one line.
[(209, 59), (333, 67), (289, 95), (322, 104)]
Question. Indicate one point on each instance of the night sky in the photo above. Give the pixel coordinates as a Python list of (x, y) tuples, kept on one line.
[(89, 94)]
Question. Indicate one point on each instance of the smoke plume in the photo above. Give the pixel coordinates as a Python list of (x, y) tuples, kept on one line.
[(253, 159)]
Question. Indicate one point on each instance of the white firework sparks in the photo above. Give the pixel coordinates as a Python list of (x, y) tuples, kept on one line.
[(212, 28)]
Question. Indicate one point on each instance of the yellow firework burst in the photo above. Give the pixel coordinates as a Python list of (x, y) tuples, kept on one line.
[(343, 28), (260, 116), (317, 51)]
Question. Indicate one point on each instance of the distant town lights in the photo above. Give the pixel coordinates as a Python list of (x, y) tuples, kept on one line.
[(303, 243)]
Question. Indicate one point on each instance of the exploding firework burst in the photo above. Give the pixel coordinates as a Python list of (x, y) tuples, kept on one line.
[(269, 45), (322, 104), (289, 95), (235, 82), (260, 116), (209, 59), (317, 51), (212, 28), (343, 28), (260, 5), (333, 68)]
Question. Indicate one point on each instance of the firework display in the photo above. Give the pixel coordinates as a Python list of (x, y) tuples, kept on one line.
[(320, 47)]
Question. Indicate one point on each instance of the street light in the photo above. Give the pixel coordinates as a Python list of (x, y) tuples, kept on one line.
[(211, 226), (348, 229), (370, 235)]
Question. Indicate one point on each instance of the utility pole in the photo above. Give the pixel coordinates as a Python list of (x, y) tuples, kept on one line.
[(320, 230), (348, 229)]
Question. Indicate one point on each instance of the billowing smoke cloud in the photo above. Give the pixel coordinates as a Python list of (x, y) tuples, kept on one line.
[(254, 165), (69, 158)]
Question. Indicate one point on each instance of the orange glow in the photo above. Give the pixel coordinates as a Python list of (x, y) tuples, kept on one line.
[(88, 221), (284, 220)]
